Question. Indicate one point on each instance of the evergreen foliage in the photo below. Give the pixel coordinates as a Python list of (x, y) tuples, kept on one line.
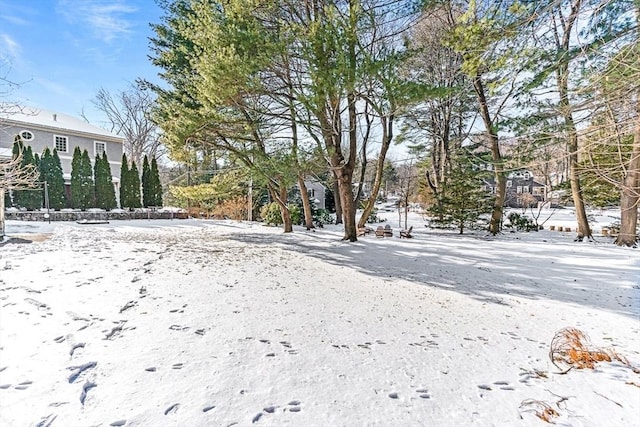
[(148, 196), (463, 202), (109, 190), (57, 191), (51, 172), (134, 187), (76, 182), (124, 185), (82, 192), (105, 195), (155, 183)]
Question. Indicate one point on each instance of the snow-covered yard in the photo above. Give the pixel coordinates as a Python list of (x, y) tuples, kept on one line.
[(219, 323)]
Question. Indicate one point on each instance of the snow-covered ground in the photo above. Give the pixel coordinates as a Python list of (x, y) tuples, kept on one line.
[(219, 323)]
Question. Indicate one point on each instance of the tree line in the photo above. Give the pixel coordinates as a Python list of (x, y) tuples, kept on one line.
[(91, 185), (296, 89)]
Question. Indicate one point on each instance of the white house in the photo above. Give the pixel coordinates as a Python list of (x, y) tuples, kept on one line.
[(41, 128)]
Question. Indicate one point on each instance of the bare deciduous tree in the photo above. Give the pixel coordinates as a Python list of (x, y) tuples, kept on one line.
[(129, 115), (15, 176)]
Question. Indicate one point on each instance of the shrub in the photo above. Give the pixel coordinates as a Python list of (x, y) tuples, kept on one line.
[(270, 214), (521, 222)]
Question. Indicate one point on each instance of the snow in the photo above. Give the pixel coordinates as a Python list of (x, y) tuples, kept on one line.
[(218, 323)]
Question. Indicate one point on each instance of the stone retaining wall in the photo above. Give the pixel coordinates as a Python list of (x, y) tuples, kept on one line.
[(93, 216)]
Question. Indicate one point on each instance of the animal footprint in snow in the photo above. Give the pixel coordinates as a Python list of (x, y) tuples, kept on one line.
[(172, 409), (294, 406), (85, 388), (78, 370), (393, 395), (504, 385), (4, 386), (75, 347), (118, 423), (177, 366), (423, 393), (23, 385), (484, 387)]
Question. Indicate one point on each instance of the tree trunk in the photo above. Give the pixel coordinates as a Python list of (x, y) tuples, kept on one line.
[(306, 204), (386, 142), (280, 197), (284, 210), (336, 199), (495, 223), (562, 79), (630, 196)]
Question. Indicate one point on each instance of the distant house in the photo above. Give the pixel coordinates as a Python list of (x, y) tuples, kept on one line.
[(41, 129), (317, 193), (522, 189)]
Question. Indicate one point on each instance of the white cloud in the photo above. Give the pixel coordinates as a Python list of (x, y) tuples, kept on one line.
[(10, 46), (107, 19)]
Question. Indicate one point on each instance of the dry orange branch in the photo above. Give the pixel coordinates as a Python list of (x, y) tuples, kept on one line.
[(571, 348), (541, 409)]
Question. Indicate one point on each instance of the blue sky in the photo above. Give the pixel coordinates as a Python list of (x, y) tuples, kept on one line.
[(61, 52)]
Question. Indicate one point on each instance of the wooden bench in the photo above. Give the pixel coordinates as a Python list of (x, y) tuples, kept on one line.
[(406, 234), (363, 231)]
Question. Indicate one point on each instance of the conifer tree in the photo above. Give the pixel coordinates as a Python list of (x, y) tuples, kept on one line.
[(109, 190), (51, 172), (81, 180), (124, 182), (57, 193), (463, 201), (134, 187), (104, 191), (76, 182), (155, 183), (97, 181), (148, 195)]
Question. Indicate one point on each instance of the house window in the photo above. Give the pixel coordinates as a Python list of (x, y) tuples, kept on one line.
[(99, 148), (26, 135), (519, 189), (538, 191), (61, 143), (526, 175), (525, 189), (311, 193), (509, 184)]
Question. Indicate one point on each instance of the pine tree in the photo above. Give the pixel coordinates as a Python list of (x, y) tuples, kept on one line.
[(76, 182), (87, 182), (148, 195), (134, 187), (110, 192), (104, 191), (124, 182), (155, 183), (463, 201), (97, 181), (51, 172), (57, 193)]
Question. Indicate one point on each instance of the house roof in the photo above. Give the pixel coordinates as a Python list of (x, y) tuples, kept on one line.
[(52, 120)]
